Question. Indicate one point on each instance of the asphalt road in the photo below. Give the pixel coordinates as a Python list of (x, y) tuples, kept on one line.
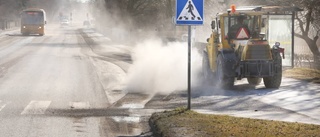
[(71, 82), (50, 85)]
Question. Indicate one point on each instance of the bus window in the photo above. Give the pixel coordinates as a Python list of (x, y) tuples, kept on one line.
[(32, 17)]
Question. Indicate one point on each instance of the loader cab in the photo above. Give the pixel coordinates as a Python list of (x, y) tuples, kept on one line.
[(251, 29)]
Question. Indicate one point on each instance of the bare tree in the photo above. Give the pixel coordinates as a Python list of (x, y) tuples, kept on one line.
[(10, 9), (142, 13), (309, 25)]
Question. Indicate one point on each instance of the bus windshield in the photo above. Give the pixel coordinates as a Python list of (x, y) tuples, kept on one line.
[(32, 17)]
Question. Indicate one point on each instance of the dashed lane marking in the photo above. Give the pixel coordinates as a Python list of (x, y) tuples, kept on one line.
[(2, 105), (36, 107)]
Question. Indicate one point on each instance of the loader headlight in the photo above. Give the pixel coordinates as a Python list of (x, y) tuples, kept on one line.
[(39, 27), (24, 27)]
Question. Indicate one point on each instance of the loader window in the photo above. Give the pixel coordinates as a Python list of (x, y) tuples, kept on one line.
[(254, 26), (238, 28), (250, 22)]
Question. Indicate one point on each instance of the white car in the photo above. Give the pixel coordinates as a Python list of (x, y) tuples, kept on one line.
[(64, 22)]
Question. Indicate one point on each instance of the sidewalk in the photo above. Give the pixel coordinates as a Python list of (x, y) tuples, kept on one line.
[(299, 100), (10, 31), (305, 99)]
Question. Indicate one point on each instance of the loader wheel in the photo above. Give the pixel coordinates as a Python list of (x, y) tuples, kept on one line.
[(221, 79), (275, 81), (254, 81), (206, 71)]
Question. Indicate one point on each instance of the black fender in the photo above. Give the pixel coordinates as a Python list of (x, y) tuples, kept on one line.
[(277, 61), (230, 62)]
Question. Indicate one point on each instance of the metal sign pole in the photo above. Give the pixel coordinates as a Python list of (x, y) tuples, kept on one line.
[(189, 67), (189, 12)]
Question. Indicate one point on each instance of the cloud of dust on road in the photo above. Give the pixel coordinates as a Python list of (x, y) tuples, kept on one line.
[(160, 68)]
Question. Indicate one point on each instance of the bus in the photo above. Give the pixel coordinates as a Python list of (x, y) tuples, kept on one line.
[(33, 21)]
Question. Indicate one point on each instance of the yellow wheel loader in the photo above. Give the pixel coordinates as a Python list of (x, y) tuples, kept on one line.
[(237, 48)]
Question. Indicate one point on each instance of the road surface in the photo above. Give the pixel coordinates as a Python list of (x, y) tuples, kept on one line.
[(71, 82), (53, 85)]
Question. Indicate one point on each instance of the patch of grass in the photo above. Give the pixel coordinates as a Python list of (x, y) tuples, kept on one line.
[(311, 75), (183, 123)]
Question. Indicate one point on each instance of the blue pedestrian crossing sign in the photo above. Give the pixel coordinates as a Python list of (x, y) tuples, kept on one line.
[(189, 12)]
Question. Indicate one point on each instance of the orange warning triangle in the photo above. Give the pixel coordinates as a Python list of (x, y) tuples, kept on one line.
[(242, 34)]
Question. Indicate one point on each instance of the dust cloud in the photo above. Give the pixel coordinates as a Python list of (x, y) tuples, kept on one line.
[(157, 67), (161, 68)]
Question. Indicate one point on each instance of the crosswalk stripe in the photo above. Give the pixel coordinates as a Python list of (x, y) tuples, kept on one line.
[(79, 105), (36, 107)]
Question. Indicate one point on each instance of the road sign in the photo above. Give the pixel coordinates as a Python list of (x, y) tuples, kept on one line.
[(189, 12)]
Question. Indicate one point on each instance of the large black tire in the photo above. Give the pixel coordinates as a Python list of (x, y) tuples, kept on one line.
[(207, 74), (222, 80), (254, 81), (275, 81)]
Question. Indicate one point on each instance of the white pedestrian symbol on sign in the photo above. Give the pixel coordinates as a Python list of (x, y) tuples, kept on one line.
[(189, 12)]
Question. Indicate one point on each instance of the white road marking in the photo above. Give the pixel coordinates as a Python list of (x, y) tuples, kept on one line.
[(2, 105), (36, 107), (127, 119), (79, 105), (132, 106)]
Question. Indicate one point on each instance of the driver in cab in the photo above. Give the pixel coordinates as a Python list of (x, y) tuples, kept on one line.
[(239, 30)]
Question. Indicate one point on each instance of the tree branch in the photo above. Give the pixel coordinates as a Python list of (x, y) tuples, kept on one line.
[(298, 35), (315, 39), (141, 4), (300, 24), (308, 19)]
